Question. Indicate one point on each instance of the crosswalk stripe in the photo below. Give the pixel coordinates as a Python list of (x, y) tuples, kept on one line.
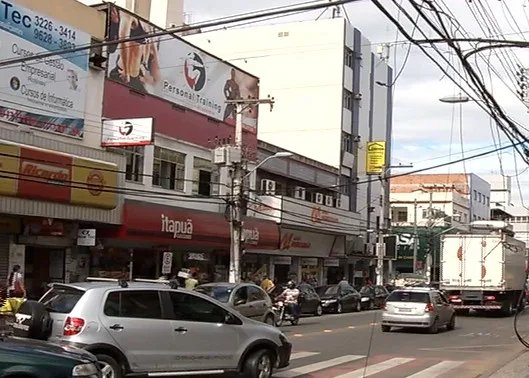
[(377, 368), (307, 369), (298, 355), (437, 370)]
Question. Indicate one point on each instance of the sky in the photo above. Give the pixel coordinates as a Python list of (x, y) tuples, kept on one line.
[(427, 132)]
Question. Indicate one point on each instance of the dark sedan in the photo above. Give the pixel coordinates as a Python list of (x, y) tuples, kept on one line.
[(39, 359), (309, 301), (339, 298), (373, 296)]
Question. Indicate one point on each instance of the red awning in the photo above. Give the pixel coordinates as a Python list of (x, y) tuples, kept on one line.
[(161, 224)]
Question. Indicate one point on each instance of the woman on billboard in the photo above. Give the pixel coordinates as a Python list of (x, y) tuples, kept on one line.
[(137, 64)]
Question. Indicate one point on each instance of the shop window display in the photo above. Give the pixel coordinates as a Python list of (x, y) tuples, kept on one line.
[(115, 263)]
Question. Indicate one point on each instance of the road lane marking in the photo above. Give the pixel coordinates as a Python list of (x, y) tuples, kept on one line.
[(327, 330), (351, 327), (298, 335), (377, 368), (437, 370), (295, 356), (308, 369)]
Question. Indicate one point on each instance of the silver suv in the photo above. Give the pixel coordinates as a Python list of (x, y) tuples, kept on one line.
[(417, 308), (154, 329)]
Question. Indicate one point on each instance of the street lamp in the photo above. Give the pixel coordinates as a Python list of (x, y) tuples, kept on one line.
[(455, 99), (236, 219), (277, 155)]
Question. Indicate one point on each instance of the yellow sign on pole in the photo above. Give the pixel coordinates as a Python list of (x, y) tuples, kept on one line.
[(375, 157)]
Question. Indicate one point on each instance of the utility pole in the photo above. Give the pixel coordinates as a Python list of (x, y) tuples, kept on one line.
[(237, 189), (382, 224), (415, 236)]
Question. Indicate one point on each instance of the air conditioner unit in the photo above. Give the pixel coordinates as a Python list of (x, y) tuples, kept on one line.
[(338, 203), (329, 201), (299, 192), (319, 199), (268, 187)]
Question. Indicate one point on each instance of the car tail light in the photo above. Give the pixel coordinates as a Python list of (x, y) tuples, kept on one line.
[(383, 307), (429, 307), (455, 298), (490, 298), (73, 326)]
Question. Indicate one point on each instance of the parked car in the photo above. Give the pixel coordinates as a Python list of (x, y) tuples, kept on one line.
[(248, 299), (373, 296), (418, 308), (309, 300), (39, 359), (154, 328), (339, 298)]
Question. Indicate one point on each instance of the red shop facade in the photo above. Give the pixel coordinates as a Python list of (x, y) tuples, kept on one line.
[(196, 240)]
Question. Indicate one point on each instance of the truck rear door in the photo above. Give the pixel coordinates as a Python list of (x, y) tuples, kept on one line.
[(452, 263), (484, 264)]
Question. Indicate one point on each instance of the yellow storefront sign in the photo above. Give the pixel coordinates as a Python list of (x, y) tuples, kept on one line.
[(9, 167), (94, 183), (375, 157)]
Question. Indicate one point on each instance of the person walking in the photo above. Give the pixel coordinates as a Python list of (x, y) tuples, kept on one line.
[(15, 283)]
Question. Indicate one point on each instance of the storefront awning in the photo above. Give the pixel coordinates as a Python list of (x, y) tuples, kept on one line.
[(166, 225)]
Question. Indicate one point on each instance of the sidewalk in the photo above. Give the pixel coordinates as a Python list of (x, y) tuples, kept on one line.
[(517, 368)]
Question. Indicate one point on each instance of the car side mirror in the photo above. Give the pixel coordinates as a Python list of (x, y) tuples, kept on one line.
[(231, 319), (239, 302)]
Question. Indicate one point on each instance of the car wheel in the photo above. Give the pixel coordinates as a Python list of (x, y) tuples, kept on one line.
[(358, 306), (339, 308), (109, 366), (434, 328), (385, 328), (452, 325), (319, 310), (258, 365)]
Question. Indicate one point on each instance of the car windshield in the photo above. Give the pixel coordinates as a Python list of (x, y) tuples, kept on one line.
[(61, 299), (408, 296), (365, 290), (220, 293), (327, 290)]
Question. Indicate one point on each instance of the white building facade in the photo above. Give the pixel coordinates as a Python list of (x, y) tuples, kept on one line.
[(333, 95)]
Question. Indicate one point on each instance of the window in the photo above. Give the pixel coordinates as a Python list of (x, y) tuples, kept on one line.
[(220, 293), (141, 304), (202, 169), (241, 296), (347, 144), (61, 299), (255, 294), (348, 57), (168, 169), (191, 308), (347, 99), (134, 161), (479, 198), (488, 201), (475, 194), (409, 296), (401, 214), (327, 290)]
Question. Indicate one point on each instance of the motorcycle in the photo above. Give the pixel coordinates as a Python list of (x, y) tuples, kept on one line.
[(279, 308)]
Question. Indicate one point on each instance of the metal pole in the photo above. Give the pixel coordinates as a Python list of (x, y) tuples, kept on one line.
[(381, 224), (430, 250), (415, 236), (236, 192)]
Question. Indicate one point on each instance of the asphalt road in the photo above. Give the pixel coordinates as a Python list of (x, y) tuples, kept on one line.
[(353, 346)]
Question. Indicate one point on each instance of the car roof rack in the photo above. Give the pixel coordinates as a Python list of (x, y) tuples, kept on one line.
[(173, 284), (121, 282)]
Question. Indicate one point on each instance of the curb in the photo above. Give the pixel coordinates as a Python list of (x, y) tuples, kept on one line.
[(489, 372)]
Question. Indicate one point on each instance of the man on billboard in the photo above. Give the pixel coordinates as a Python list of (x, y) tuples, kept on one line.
[(232, 92)]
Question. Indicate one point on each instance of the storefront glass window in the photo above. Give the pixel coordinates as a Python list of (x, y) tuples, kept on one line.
[(310, 271), (254, 268), (115, 263)]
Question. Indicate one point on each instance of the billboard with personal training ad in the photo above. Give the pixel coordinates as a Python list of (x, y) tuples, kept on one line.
[(176, 71), (48, 94)]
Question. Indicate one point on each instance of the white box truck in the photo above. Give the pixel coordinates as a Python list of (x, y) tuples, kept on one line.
[(483, 270)]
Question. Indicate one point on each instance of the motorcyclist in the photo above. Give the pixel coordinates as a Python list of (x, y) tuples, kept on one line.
[(291, 295)]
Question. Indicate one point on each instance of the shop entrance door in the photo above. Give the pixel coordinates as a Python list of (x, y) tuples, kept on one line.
[(42, 266), (281, 273)]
